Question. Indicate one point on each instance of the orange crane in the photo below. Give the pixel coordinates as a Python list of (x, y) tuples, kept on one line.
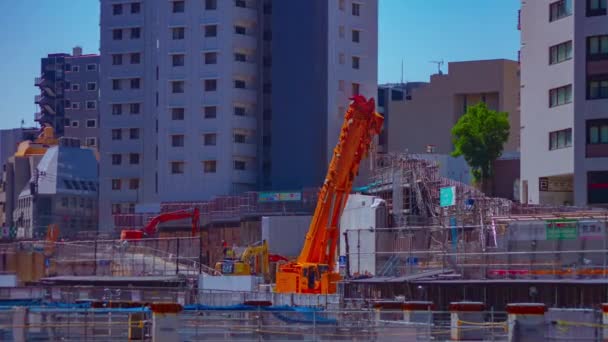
[(151, 228), (314, 270)]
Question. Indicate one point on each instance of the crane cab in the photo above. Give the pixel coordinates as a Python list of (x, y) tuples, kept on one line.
[(307, 278)]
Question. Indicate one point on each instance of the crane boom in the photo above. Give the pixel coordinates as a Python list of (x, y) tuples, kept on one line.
[(313, 272)]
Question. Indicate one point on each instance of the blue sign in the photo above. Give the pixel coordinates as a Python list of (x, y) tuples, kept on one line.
[(342, 260), (411, 260)]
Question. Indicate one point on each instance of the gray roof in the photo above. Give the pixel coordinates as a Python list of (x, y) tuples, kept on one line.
[(67, 170)]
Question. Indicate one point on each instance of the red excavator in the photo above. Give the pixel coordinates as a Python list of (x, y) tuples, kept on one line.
[(151, 228)]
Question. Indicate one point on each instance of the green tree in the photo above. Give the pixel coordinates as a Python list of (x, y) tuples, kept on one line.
[(479, 136)]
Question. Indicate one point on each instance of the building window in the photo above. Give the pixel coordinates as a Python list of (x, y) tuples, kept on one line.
[(267, 36), (210, 30), (177, 167), (115, 84), (596, 7), (356, 36), (116, 184), (341, 5), (134, 133), (75, 87), (341, 31), (355, 88), (560, 9), (75, 123), (210, 166), (177, 140), (91, 105), (356, 62), (210, 139), (560, 139), (239, 165), (598, 88), (134, 108), (178, 60), (117, 134), (267, 88), (211, 85), (240, 138), (117, 34), (116, 109), (240, 57), (134, 158), (135, 83), (91, 141), (597, 132), (117, 9), (133, 183), (210, 57), (64, 202), (91, 123), (116, 159), (135, 58), (75, 68), (210, 5), (240, 3), (116, 59), (135, 33), (177, 114), (177, 87), (597, 47), (240, 84), (341, 58), (341, 85), (210, 112), (91, 86), (135, 7), (239, 29), (178, 6), (240, 111), (75, 105), (356, 9), (560, 52), (178, 33), (91, 67), (560, 96)]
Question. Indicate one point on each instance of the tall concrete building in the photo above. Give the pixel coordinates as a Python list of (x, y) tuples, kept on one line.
[(564, 102), (323, 53), (208, 98), (69, 94), (423, 122)]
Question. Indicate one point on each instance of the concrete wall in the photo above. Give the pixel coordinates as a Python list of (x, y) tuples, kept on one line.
[(428, 118), (285, 234), (359, 219)]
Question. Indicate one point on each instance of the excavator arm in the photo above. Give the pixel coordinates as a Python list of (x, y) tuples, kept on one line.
[(151, 228), (313, 272)]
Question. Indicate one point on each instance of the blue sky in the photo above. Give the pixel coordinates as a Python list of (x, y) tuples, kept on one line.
[(417, 31)]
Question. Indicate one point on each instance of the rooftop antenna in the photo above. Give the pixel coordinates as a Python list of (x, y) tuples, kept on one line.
[(439, 64), (401, 70)]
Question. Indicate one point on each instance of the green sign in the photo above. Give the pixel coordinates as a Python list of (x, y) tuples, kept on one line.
[(447, 196), (562, 229)]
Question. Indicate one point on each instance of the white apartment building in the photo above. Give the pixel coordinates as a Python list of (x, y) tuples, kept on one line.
[(203, 98), (564, 102)]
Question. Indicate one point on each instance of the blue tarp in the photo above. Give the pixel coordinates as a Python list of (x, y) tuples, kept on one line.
[(306, 315)]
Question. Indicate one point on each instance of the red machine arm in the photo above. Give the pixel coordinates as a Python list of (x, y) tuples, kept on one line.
[(152, 226)]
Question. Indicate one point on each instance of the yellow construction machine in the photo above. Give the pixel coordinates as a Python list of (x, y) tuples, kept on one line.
[(255, 254)]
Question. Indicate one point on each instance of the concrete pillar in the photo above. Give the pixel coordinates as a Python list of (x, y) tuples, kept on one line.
[(165, 321), (418, 312), (466, 315), (605, 321), (19, 324), (526, 322)]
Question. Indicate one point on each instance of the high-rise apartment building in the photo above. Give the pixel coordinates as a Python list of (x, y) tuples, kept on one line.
[(218, 97), (564, 102), (69, 94)]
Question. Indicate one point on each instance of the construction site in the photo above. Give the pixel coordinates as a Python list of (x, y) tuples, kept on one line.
[(411, 255)]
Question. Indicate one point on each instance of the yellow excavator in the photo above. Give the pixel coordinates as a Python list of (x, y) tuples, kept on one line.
[(256, 254)]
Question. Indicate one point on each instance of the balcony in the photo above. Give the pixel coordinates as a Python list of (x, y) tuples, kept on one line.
[(247, 177), (596, 150), (248, 13), (245, 122), (245, 41), (40, 99), (38, 116), (246, 95), (38, 81), (245, 68), (50, 109), (244, 150)]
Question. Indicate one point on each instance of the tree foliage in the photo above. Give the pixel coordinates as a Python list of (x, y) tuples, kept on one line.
[(479, 136)]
